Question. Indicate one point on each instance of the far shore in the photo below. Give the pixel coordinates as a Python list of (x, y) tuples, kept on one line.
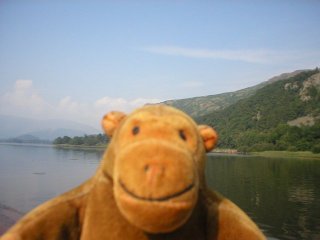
[(27, 144), (85, 147), (273, 154), (66, 146), (218, 151), (287, 154)]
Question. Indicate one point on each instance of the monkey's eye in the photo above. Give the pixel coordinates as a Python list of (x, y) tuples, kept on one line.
[(182, 135), (135, 130)]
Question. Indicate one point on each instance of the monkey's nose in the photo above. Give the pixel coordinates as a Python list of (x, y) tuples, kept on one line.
[(153, 173)]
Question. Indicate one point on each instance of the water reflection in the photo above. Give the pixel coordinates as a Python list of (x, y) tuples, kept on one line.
[(281, 195)]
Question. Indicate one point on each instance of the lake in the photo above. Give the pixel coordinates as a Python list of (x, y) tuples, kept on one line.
[(281, 195)]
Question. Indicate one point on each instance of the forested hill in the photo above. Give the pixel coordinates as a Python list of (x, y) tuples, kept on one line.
[(199, 106), (265, 120)]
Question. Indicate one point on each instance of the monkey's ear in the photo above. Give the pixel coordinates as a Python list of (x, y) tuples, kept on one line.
[(111, 121), (209, 137)]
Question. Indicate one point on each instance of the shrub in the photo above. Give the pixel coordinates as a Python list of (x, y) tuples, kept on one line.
[(316, 148)]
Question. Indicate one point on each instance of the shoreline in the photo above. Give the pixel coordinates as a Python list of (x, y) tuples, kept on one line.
[(287, 154), (80, 147), (27, 144), (268, 154), (63, 146), (219, 151)]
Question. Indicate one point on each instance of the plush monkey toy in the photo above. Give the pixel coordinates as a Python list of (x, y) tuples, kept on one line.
[(150, 185)]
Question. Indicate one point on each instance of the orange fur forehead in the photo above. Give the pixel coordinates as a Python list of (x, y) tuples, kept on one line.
[(159, 111), (158, 122)]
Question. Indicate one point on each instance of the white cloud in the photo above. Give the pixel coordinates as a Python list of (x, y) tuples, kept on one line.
[(245, 55), (253, 56), (122, 104), (142, 101), (93, 112), (68, 105), (23, 85), (111, 103), (24, 100)]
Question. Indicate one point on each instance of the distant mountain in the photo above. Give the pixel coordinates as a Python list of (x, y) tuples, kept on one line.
[(13, 127), (199, 106), (52, 134), (26, 138)]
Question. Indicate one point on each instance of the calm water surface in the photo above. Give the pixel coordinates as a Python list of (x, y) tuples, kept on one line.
[(281, 195)]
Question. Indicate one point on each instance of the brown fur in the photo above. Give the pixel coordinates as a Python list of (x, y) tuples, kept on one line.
[(150, 185)]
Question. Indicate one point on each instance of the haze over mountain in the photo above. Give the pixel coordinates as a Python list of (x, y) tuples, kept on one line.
[(13, 127)]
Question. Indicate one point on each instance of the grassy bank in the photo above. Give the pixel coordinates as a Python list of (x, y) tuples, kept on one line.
[(287, 154)]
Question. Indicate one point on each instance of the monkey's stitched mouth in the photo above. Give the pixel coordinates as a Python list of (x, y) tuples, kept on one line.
[(159, 199)]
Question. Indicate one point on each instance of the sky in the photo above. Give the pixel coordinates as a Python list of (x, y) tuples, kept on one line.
[(78, 60)]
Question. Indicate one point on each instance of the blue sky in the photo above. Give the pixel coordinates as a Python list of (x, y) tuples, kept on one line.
[(80, 59)]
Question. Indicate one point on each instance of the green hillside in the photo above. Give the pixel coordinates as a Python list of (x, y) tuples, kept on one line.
[(200, 106), (260, 121)]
